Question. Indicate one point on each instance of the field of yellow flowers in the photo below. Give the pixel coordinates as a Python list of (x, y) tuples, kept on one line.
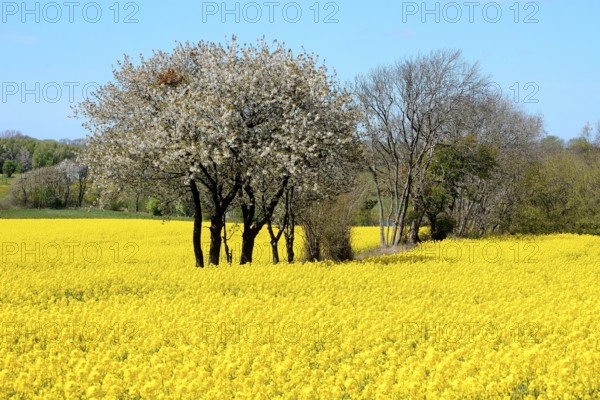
[(116, 309)]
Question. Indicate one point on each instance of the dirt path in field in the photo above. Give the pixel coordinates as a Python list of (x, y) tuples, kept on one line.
[(384, 252)]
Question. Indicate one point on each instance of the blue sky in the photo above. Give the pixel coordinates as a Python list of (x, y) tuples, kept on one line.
[(544, 54)]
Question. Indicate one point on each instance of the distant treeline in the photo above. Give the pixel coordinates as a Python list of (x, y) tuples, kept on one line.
[(556, 186), (20, 153), (559, 189)]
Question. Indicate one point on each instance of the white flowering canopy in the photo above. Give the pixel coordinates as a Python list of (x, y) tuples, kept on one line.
[(222, 115)]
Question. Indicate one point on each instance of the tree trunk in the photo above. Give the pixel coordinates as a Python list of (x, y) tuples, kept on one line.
[(290, 227), (433, 226), (275, 252), (216, 226), (382, 240), (275, 241), (414, 231), (228, 253), (137, 202), (251, 226), (197, 236), (314, 250), (83, 175), (248, 238), (289, 242), (80, 196), (275, 238), (248, 234), (404, 208)]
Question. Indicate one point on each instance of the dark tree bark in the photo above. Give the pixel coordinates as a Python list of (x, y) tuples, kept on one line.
[(289, 243), (197, 236), (137, 202), (252, 223), (275, 238), (415, 224), (67, 191), (221, 203), (248, 238), (274, 242), (216, 227), (432, 217), (290, 228), (414, 230), (228, 253)]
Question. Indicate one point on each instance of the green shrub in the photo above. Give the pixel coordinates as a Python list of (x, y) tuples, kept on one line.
[(154, 207), (444, 225)]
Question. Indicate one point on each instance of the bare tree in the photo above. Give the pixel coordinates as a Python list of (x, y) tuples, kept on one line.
[(485, 203), (12, 134), (408, 108)]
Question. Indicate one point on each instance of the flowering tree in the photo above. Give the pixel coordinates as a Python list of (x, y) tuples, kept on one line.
[(233, 121), (299, 127)]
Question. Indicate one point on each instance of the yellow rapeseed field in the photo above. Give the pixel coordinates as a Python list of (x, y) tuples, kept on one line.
[(115, 309)]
